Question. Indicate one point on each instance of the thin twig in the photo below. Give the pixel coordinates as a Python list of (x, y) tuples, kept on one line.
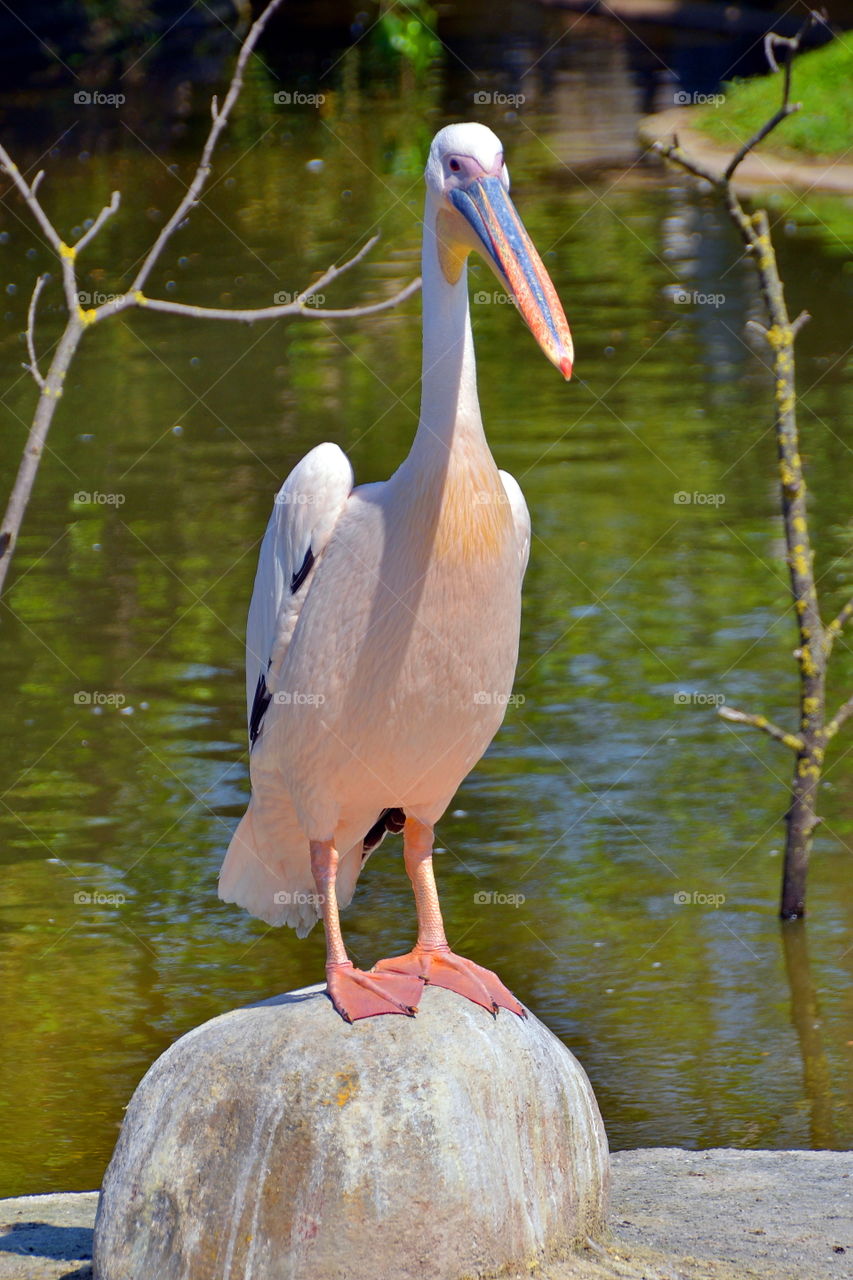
[(332, 273), (49, 395), (759, 136), (219, 120), (106, 212), (844, 712), (787, 108), (277, 312), (796, 325), (792, 740), (64, 252), (672, 151), (837, 625), (28, 192), (33, 366)]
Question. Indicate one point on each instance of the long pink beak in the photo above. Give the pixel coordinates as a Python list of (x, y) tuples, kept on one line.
[(487, 206)]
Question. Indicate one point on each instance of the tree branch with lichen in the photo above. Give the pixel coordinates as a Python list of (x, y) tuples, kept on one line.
[(815, 638), (78, 320)]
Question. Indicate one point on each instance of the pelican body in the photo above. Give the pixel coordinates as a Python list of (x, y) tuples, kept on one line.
[(383, 631)]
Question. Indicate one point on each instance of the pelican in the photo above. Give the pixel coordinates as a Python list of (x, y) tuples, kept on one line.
[(383, 630)]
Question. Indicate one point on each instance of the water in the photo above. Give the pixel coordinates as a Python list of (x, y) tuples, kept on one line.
[(613, 786)]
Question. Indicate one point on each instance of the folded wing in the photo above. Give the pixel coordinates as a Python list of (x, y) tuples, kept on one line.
[(304, 515)]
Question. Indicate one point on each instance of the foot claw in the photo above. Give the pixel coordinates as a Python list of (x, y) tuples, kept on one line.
[(443, 968), (356, 994)]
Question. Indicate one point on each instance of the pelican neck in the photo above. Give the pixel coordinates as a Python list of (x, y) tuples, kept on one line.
[(450, 409)]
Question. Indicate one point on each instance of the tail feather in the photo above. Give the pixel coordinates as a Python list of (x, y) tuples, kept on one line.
[(267, 870)]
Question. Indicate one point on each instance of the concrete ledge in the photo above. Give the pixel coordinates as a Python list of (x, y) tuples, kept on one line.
[(47, 1237), (676, 1215)]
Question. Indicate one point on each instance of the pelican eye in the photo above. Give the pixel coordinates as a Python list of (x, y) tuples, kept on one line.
[(455, 166)]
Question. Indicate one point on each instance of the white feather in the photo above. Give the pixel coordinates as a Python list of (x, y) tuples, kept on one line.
[(304, 513), (520, 516)]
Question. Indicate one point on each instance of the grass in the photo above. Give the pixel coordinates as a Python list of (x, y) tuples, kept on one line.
[(820, 80)]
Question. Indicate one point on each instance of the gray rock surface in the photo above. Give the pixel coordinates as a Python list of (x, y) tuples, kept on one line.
[(279, 1143), (748, 1215)]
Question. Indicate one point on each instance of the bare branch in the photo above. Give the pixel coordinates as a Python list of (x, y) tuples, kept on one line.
[(33, 366), (755, 326), (28, 192), (760, 134), (65, 253), (50, 394), (837, 625), (772, 41), (106, 212), (672, 151), (844, 712), (816, 639), (273, 313), (792, 740), (332, 273), (278, 311), (796, 325), (219, 120)]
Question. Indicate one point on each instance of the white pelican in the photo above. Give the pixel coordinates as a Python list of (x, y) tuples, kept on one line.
[(383, 630)]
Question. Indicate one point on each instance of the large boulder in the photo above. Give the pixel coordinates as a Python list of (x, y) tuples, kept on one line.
[(279, 1143)]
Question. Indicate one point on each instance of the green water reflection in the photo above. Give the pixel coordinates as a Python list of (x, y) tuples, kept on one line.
[(612, 788)]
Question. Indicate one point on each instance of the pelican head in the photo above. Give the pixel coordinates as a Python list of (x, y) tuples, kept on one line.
[(469, 184)]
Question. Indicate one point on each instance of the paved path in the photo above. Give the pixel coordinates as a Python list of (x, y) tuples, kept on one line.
[(761, 168)]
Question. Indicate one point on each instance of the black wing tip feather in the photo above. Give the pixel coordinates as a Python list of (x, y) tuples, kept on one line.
[(263, 697), (302, 572), (262, 700)]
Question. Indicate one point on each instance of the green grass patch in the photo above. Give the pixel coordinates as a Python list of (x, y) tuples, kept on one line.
[(820, 80)]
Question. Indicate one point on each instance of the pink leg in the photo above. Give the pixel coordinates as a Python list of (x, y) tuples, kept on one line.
[(354, 994), (431, 958)]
